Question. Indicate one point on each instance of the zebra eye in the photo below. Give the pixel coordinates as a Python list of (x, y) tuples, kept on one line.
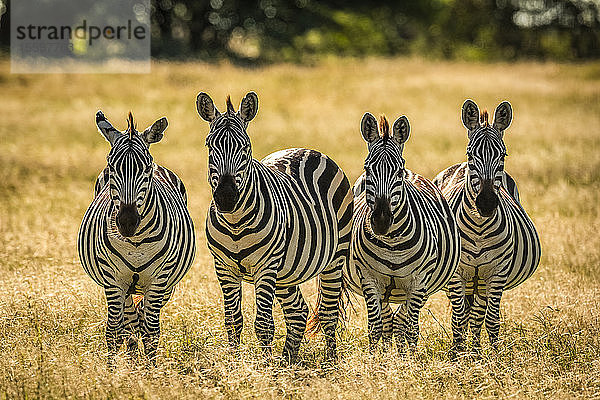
[(246, 152)]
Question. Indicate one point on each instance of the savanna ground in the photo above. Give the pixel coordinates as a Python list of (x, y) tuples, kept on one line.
[(52, 315)]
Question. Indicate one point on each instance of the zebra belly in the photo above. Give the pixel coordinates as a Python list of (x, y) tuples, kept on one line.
[(393, 289), (481, 259), (128, 264), (476, 277), (291, 270), (304, 260), (486, 255)]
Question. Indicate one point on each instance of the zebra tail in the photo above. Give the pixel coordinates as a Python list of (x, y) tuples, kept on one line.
[(313, 325)]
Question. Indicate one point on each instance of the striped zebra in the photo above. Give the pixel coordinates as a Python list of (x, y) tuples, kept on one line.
[(275, 223), (136, 237), (405, 243), (500, 247)]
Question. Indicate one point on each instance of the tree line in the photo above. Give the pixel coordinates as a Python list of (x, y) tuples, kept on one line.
[(305, 30)]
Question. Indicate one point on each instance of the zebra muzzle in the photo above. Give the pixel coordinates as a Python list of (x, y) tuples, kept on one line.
[(487, 199), (226, 195), (128, 219), (381, 217)]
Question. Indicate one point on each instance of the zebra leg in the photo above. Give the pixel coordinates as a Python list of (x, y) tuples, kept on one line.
[(132, 327), (295, 311), (330, 287), (115, 328), (492, 318), (388, 324), (477, 315), (406, 320), (264, 325), (231, 286), (460, 313), (154, 300), (399, 328), (373, 302), (414, 304)]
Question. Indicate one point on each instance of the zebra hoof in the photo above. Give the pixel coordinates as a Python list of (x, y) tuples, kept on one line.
[(373, 347), (457, 351), (288, 358), (495, 345), (267, 351), (331, 356), (386, 344)]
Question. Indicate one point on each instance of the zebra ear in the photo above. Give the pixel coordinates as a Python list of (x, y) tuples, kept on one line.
[(401, 129), (154, 133), (206, 108), (470, 114), (106, 129), (249, 107), (502, 116), (368, 128)]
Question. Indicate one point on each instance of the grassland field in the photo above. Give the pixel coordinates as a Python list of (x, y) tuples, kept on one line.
[(52, 315)]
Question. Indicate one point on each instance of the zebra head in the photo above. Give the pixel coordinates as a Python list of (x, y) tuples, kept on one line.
[(485, 153), (130, 168), (229, 148), (384, 169)]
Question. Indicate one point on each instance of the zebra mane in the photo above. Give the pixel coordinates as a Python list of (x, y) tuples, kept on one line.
[(483, 118), (130, 125), (230, 108), (384, 127)]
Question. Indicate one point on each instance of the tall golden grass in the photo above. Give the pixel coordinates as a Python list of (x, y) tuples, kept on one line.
[(52, 315)]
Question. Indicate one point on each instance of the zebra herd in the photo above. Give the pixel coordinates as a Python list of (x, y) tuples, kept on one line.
[(394, 237)]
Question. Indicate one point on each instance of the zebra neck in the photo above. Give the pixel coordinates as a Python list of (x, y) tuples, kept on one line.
[(149, 211), (470, 195), (403, 218)]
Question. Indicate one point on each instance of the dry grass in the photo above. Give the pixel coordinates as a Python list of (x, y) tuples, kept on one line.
[(52, 315)]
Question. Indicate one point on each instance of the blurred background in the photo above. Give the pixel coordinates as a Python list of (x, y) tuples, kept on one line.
[(306, 30)]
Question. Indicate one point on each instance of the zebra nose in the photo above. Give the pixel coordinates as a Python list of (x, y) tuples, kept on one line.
[(487, 183), (226, 194), (487, 200), (128, 219), (381, 217)]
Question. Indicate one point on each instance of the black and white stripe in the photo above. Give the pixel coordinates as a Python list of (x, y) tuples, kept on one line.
[(274, 223), (136, 237), (405, 244), (500, 247)]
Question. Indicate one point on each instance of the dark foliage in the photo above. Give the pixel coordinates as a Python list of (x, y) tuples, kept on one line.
[(302, 30)]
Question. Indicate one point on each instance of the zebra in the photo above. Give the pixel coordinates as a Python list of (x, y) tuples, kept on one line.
[(274, 223), (405, 243), (136, 237), (500, 247)]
